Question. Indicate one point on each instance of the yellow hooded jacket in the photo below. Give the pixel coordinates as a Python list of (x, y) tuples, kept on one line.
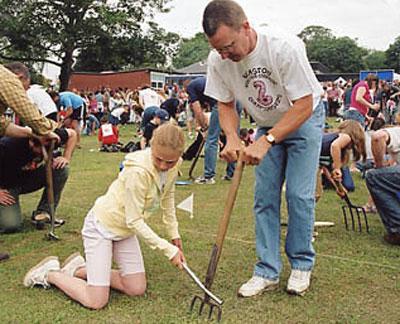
[(134, 196)]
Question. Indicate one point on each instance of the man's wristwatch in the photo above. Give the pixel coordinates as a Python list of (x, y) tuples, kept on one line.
[(270, 138)]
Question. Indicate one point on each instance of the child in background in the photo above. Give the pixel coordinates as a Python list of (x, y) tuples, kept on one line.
[(108, 136), (114, 224)]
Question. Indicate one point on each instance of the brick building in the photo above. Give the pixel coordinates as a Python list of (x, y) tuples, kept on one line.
[(92, 81)]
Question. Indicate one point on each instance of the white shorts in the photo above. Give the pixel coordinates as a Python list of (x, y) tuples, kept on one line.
[(100, 248)]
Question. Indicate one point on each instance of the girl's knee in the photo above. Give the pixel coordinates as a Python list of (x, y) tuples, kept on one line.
[(97, 304), (138, 289)]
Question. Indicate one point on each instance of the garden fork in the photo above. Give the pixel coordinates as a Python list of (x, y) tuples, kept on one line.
[(349, 208), (217, 247)]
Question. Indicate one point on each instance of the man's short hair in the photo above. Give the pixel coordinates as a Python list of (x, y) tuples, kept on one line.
[(19, 68), (222, 12)]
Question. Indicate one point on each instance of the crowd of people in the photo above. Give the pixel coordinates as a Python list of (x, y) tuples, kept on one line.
[(283, 97)]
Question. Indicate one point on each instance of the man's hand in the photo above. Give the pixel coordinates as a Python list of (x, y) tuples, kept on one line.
[(233, 146), (254, 153), (45, 139), (6, 199), (60, 162)]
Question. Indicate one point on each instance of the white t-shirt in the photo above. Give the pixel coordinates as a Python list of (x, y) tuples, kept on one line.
[(268, 80), (149, 98), (41, 99), (117, 112)]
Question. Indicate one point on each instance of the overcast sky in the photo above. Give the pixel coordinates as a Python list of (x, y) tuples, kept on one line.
[(374, 23)]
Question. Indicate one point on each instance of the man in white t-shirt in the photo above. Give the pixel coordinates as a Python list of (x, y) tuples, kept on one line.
[(149, 98), (42, 99), (270, 74)]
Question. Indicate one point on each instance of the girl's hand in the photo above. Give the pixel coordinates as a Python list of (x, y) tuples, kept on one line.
[(178, 260), (337, 175), (178, 243)]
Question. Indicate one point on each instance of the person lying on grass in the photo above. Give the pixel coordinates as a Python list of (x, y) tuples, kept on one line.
[(114, 224)]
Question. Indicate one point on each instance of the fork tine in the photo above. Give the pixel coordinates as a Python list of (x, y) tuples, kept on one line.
[(359, 219), (210, 311), (345, 217), (365, 218), (353, 227), (201, 307)]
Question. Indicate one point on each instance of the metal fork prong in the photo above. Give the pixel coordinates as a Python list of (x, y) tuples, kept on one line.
[(359, 220), (353, 227), (345, 217), (219, 316), (201, 307), (210, 311), (365, 218), (193, 302)]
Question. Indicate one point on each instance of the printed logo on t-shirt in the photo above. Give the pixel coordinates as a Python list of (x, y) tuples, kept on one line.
[(258, 79), (107, 130)]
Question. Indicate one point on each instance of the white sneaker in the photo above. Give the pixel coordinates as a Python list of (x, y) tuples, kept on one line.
[(299, 282), (203, 180), (257, 285), (38, 274), (72, 263)]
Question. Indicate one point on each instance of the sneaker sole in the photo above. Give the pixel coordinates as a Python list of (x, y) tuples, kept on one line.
[(296, 293), (45, 260), (269, 288), (69, 259)]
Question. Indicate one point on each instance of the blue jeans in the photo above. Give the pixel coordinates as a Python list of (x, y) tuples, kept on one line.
[(211, 146), (295, 160), (384, 186), (148, 115), (11, 217), (355, 115)]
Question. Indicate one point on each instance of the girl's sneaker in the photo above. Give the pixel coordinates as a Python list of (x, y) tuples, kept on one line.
[(72, 263), (38, 274)]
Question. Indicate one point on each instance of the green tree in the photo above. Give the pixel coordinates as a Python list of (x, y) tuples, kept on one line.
[(315, 33), (191, 50), (56, 30), (339, 54), (375, 60), (393, 55), (119, 52)]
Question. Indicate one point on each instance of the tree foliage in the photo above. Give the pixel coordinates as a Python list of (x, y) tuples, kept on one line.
[(191, 50), (120, 52), (375, 60), (393, 55), (59, 29), (339, 54)]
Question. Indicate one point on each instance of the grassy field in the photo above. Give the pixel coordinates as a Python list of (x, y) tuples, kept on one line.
[(356, 277)]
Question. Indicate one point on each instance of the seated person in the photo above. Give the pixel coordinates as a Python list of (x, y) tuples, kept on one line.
[(335, 151), (160, 116), (115, 223), (22, 171), (108, 136)]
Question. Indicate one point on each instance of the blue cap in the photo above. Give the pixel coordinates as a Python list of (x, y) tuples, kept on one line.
[(162, 114)]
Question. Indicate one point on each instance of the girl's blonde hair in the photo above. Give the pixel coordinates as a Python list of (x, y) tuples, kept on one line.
[(169, 135), (356, 133)]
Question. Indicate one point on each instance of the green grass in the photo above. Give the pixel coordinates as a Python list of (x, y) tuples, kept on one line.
[(356, 276)]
